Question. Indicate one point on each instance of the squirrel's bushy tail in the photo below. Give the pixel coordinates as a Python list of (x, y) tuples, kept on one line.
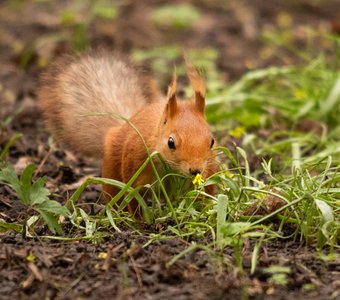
[(77, 92)]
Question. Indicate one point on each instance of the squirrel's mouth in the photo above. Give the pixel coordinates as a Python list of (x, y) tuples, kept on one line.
[(185, 168)]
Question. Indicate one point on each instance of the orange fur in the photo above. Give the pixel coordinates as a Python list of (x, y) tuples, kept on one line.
[(94, 83)]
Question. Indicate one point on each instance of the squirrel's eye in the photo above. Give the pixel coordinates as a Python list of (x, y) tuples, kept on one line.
[(212, 143), (171, 143)]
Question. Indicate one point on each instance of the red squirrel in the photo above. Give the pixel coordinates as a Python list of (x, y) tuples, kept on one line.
[(76, 88)]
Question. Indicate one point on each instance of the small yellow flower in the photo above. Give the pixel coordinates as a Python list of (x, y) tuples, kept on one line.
[(237, 132), (228, 174), (300, 94), (102, 255), (198, 180), (30, 257)]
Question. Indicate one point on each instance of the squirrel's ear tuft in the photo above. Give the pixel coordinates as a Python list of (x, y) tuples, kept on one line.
[(171, 107), (198, 84)]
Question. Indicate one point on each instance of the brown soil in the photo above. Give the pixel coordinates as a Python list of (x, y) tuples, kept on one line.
[(74, 270)]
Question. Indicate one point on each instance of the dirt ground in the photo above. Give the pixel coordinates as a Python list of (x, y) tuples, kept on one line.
[(31, 34)]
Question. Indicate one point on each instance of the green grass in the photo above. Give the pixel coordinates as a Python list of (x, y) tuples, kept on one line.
[(272, 159)]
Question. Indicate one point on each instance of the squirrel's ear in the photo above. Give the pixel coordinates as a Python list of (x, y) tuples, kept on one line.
[(198, 84), (171, 107)]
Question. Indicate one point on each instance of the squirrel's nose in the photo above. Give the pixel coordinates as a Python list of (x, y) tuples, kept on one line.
[(195, 171)]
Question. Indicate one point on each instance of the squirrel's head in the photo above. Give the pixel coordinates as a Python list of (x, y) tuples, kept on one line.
[(186, 140)]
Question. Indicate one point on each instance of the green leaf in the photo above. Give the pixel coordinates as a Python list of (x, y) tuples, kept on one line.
[(38, 193), (8, 176), (332, 99), (51, 221), (111, 220), (31, 221), (53, 207), (222, 206), (176, 16), (34, 195), (25, 184), (233, 229), (4, 227), (90, 226), (325, 209)]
